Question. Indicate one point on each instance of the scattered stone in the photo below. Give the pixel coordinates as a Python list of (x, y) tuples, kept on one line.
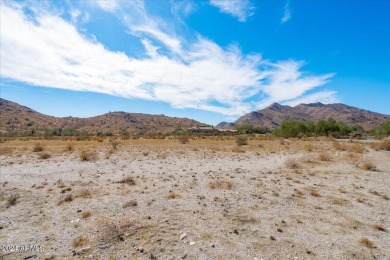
[(182, 236), (192, 243), (183, 257), (212, 245), (272, 238), (236, 232), (280, 230)]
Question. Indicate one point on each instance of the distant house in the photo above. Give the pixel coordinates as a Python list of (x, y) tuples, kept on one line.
[(203, 129), (357, 135)]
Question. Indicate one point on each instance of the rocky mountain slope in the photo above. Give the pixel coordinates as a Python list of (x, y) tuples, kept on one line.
[(14, 117), (273, 115)]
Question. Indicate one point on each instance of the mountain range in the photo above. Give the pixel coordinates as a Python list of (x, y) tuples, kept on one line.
[(14, 117), (272, 116), (18, 118)]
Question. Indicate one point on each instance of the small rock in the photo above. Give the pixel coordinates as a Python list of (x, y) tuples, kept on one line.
[(192, 243), (212, 245), (182, 236), (236, 232)]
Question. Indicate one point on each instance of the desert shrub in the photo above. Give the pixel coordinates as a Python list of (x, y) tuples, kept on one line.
[(324, 156), (70, 146), (88, 155), (366, 242), (222, 185), (113, 232), (173, 195), (45, 156), (368, 165), (385, 145), (38, 147), (379, 228), (67, 198), (79, 241), (12, 200), (86, 214), (183, 139), (127, 180), (357, 148), (130, 203), (292, 163), (85, 193), (115, 144), (241, 140)]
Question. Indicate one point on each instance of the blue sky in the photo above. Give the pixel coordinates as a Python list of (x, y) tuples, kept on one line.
[(207, 60)]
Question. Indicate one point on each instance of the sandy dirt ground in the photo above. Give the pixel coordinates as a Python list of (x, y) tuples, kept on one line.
[(207, 199)]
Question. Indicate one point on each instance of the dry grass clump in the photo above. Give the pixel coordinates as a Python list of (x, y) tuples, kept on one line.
[(292, 163), (86, 214), (127, 180), (38, 147), (79, 241), (69, 146), (368, 165), (384, 145), (183, 139), (379, 228), (357, 148), (115, 144), (88, 155), (67, 198), (85, 193), (366, 242), (324, 156), (339, 146), (314, 193), (113, 232), (12, 200), (222, 185), (241, 140), (173, 195), (309, 147), (130, 203), (45, 156)]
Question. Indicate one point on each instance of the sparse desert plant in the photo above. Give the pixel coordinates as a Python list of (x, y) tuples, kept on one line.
[(86, 214), (115, 144), (79, 241), (173, 195), (379, 228), (88, 155), (113, 232), (314, 193), (67, 198), (127, 180), (223, 185), (366, 242), (292, 163), (357, 148), (183, 139), (241, 140), (384, 145), (45, 156), (324, 156), (70, 146), (130, 203), (12, 200), (38, 147), (368, 165), (85, 193), (145, 153), (309, 147)]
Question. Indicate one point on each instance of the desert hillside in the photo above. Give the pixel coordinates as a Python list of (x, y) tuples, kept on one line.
[(272, 116), (14, 117)]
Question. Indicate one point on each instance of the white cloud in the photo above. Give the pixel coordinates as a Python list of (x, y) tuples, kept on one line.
[(241, 9), (287, 13), (51, 52), (108, 5), (325, 97)]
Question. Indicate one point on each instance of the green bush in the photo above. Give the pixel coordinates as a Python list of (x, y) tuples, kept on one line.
[(241, 140)]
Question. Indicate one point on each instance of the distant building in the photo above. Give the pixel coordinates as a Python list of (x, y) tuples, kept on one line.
[(203, 129)]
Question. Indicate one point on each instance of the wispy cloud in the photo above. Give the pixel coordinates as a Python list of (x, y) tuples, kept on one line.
[(197, 73), (241, 9), (108, 5), (287, 13), (325, 97)]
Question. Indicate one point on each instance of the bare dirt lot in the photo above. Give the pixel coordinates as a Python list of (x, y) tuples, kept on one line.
[(207, 199)]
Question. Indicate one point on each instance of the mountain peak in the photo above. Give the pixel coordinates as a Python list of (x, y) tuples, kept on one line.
[(318, 104), (275, 106)]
